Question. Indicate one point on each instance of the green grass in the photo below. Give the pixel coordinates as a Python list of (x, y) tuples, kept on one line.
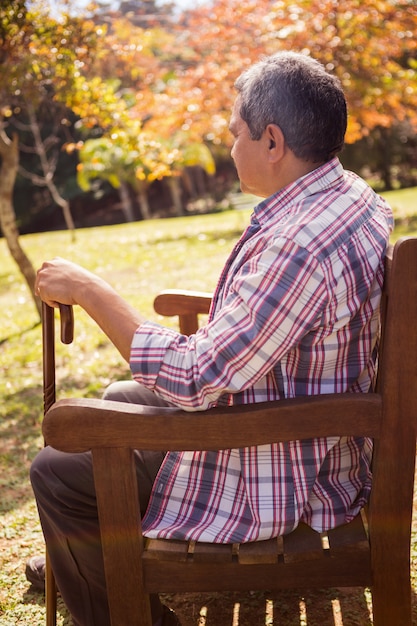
[(404, 205), (139, 260), (403, 201)]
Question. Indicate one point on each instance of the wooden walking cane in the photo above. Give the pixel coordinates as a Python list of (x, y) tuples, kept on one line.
[(49, 396)]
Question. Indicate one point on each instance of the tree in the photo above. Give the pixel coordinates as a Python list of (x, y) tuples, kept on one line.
[(9, 155), (38, 60), (371, 46), (13, 33), (47, 150), (124, 158), (136, 157), (186, 155), (144, 144)]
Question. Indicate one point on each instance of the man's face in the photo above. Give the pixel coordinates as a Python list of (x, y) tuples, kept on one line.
[(248, 156)]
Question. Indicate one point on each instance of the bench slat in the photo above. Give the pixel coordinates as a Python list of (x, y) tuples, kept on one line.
[(213, 552), (166, 550), (350, 536), (259, 552), (303, 544)]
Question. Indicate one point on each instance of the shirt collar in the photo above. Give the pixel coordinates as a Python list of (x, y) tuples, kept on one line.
[(326, 176)]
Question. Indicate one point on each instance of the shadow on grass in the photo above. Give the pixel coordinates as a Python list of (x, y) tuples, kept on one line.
[(32, 596), (19, 334), (21, 433), (332, 607), (296, 607), (20, 441)]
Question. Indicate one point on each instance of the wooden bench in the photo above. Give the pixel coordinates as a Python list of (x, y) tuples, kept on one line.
[(371, 551)]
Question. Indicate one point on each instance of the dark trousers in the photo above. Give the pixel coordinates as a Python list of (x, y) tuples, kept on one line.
[(64, 490)]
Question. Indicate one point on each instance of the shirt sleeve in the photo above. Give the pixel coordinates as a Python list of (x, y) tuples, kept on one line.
[(273, 300)]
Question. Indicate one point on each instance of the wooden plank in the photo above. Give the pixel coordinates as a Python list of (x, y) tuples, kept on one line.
[(212, 552), (191, 576), (303, 544), (188, 324), (166, 550), (82, 423), (259, 552), (181, 302), (122, 544), (351, 536)]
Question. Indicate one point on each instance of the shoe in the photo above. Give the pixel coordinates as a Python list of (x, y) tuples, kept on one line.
[(35, 572), (169, 618)]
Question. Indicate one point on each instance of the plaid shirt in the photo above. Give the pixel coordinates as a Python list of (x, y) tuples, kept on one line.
[(295, 313)]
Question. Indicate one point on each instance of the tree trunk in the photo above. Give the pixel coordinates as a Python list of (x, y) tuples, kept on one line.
[(384, 156), (143, 203), (9, 154), (175, 189), (126, 201)]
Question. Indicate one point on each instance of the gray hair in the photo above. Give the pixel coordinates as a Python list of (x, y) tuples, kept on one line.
[(296, 93)]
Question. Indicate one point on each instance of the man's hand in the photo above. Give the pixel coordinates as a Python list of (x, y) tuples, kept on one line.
[(62, 282)]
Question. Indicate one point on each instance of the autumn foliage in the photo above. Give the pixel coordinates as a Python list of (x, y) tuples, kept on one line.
[(182, 73), (148, 83)]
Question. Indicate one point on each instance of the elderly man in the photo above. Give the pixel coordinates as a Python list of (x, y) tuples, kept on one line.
[(295, 313)]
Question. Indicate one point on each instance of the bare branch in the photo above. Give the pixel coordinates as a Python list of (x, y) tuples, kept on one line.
[(37, 180), (28, 149), (21, 125), (50, 142)]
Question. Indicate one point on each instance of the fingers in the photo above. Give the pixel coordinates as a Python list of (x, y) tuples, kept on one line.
[(50, 284)]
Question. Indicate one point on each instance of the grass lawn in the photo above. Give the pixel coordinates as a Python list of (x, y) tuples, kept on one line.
[(139, 260)]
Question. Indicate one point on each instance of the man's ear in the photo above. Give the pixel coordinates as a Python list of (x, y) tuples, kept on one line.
[(276, 142)]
